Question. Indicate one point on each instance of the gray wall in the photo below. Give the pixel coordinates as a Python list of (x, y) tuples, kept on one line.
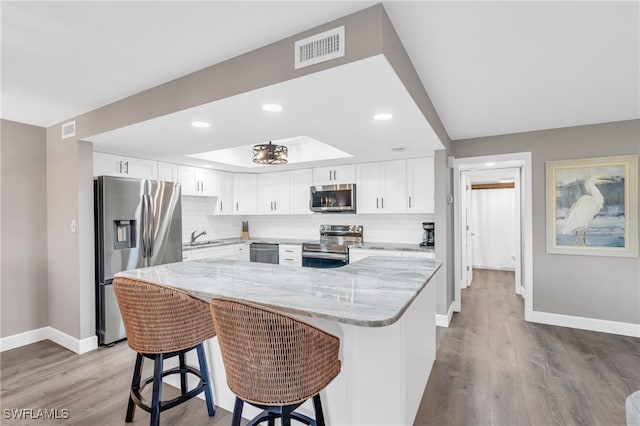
[(23, 264), (605, 288)]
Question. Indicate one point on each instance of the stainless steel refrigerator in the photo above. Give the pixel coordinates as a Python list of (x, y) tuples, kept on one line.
[(138, 223)]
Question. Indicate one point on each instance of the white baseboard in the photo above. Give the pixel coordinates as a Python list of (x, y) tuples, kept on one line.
[(444, 320), (78, 346), (591, 324), (22, 339)]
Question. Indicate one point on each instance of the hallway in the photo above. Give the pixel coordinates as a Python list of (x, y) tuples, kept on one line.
[(493, 368)]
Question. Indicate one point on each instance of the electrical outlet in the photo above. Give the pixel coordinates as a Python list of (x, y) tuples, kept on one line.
[(73, 226)]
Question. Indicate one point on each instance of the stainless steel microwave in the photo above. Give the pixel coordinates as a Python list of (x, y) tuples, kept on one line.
[(333, 198)]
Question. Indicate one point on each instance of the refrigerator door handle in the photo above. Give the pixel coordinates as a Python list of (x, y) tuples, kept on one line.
[(151, 223), (144, 227)]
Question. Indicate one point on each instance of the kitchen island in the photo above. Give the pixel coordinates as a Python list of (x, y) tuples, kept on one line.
[(381, 308)]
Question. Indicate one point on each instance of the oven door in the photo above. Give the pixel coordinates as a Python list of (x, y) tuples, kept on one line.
[(316, 259)]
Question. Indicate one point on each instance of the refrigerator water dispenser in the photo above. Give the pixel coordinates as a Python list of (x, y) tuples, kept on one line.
[(124, 234)]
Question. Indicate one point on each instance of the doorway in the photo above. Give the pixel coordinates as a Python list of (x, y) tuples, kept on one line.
[(516, 168), (491, 221)]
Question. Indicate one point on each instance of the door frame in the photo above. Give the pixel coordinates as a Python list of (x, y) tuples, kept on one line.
[(521, 161)]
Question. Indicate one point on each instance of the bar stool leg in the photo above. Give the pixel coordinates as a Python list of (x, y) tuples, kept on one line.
[(204, 374), (183, 373), (286, 416), (157, 389), (135, 386), (317, 406), (237, 412)]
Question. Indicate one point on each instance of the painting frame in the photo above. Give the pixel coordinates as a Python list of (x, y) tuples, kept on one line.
[(558, 174)]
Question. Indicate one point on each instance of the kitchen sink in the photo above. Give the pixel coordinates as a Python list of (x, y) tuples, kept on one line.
[(203, 243)]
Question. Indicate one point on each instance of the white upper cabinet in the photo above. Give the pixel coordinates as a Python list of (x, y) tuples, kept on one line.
[(420, 185), (381, 187), (244, 193), (334, 175), (224, 201), (117, 165), (167, 172), (273, 193), (301, 181), (197, 181)]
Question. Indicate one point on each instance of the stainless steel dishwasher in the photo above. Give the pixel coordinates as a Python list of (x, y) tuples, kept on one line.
[(264, 253)]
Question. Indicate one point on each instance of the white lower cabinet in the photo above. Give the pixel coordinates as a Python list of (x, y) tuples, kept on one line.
[(238, 251), (359, 254), (290, 254)]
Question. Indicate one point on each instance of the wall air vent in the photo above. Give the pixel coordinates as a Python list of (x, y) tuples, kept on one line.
[(68, 129), (319, 48)]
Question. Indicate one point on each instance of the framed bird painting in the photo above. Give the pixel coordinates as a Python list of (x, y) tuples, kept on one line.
[(592, 206)]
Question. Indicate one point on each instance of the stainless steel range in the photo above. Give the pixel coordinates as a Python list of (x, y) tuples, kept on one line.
[(332, 250)]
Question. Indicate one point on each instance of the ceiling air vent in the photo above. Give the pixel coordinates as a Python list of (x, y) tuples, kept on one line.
[(68, 129), (319, 48)]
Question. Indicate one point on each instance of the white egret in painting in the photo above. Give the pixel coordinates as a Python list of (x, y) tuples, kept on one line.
[(584, 210)]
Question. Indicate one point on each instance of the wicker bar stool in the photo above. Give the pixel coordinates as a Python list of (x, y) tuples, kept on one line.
[(162, 323), (273, 361)]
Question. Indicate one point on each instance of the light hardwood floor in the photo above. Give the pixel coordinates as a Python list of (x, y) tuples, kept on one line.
[(492, 368)]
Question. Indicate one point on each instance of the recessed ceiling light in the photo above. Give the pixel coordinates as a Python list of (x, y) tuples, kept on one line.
[(382, 116), (490, 164), (272, 107), (201, 124)]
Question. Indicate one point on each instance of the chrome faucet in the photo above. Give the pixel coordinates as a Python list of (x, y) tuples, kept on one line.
[(195, 234)]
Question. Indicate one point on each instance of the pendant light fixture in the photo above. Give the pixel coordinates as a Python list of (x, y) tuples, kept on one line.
[(268, 153)]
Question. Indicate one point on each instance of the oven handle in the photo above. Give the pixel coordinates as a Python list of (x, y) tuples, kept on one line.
[(321, 255)]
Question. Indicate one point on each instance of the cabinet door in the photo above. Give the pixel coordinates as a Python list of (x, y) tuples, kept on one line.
[(106, 164), (368, 189), (208, 182), (224, 189), (334, 175), (344, 174), (244, 193), (300, 189), (140, 168), (188, 178), (116, 165), (394, 185), (420, 185), (167, 172), (267, 189), (282, 198)]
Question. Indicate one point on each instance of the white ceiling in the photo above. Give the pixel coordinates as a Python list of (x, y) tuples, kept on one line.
[(335, 107), (489, 67)]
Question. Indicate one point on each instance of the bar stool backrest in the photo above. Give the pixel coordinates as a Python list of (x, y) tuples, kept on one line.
[(271, 358), (159, 319)]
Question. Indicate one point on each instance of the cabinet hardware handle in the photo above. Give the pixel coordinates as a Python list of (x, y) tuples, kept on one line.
[(334, 175), (119, 166), (220, 205), (236, 206), (275, 205), (330, 175), (377, 205), (382, 202), (409, 201), (270, 205), (202, 185), (126, 170)]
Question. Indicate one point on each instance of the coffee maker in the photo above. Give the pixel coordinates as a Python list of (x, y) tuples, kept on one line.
[(428, 236)]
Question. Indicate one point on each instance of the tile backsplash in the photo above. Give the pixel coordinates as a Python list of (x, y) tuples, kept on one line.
[(396, 228)]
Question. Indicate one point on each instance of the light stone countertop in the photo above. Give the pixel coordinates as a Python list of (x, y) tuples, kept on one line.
[(364, 245), (373, 292)]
